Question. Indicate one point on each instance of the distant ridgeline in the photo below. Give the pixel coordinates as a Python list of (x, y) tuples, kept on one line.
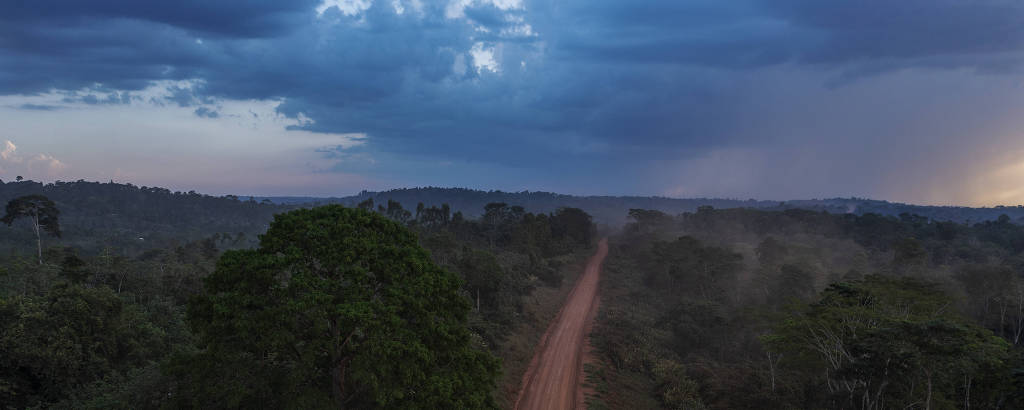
[(613, 210), (134, 219)]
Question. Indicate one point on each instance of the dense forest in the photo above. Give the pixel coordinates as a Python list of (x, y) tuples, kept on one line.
[(613, 210), (133, 219), (116, 296), (126, 212), (744, 308), (298, 317)]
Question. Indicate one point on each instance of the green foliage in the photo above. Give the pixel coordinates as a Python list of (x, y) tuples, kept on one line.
[(909, 252), (693, 268), (40, 209), (144, 387), (573, 224), (136, 219), (74, 268), (482, 273), (694, 324), (150, 249), (396, 212), (771, 252), (650, 220), (643, 330), (335, 306), (42, 214), (676, 389), (941, 310), (71, 337), (793, 282), (614, 210), (995, 298), (886, 342)]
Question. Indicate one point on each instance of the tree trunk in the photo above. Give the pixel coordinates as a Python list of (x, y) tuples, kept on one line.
[(338, 383), (878, 394), (338, 372), (771, 368), (39, 239), (1002, 316), (928, 398), (967, 392), (1020, 318), (341, 364)]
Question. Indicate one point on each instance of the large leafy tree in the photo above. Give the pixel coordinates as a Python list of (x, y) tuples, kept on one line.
[(41, 211), (892, 343), (338, 307), (573, 223)]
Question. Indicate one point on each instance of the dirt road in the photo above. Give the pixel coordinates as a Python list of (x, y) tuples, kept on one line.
[(553, 379)]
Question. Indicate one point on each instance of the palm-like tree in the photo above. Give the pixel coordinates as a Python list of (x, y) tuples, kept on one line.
[(41, 211)]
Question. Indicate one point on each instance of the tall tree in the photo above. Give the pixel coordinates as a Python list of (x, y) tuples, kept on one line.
[(573, 223), (892, 343), (338, 307), (41, 211)]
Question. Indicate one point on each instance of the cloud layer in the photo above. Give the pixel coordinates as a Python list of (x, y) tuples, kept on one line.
[(589, 92), (13, 165)]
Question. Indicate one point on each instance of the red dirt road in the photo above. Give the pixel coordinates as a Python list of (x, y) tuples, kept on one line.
[(553, 379)]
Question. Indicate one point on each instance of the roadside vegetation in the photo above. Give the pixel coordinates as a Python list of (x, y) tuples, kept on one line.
[(374, 306), (115, 296), (799, 309)]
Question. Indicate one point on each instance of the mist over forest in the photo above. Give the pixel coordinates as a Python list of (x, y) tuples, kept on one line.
[(151, 298), (613, 210), (139, 218), (512, 204)]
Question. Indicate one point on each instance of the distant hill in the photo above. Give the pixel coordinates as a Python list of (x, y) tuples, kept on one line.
[(612, 210), (132, 219)]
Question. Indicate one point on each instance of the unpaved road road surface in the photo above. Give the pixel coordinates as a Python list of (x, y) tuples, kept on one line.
[(553, 379)]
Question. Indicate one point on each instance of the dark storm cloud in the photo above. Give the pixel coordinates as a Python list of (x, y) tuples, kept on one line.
[(712, 33), (245, 18), (906, 29), (118, 53), (576, 79), (886, 34)]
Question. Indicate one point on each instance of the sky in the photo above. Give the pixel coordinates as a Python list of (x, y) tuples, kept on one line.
[(918, 101)]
